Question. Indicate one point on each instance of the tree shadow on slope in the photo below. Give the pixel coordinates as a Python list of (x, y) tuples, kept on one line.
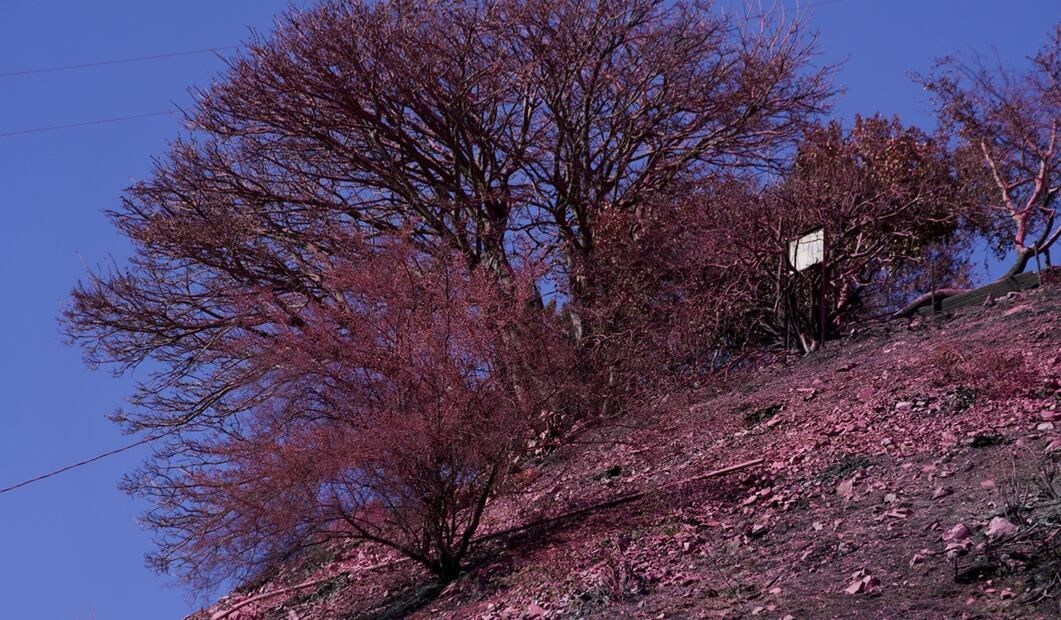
[(495, 563), (401, 604), (487, 568)]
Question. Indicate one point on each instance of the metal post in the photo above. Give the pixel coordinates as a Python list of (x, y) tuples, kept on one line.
[(932, 280), (825, 275), (783, 292), (1038, 266)]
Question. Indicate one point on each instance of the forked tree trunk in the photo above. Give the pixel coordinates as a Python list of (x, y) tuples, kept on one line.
[(447, 567)]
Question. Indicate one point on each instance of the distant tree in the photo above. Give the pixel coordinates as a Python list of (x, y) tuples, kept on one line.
[(1005, 125), (693, 278), (895, 215)]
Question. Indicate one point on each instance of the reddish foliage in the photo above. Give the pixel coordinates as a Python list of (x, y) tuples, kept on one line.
[(690, 279), (298, 353), (339, 276), (677, 288), (387, 411), (895, 219)]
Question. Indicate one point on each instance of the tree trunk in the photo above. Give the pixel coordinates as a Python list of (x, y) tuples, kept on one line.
[(1021, 263), (447, 567), (931, 297)]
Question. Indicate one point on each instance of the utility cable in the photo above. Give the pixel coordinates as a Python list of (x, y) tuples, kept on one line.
[(82, 463), (102, 121), (117, 61)]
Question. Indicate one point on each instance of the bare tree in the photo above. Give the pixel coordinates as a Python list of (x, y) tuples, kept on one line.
[(501, 131), (385, 413), (1006, 128), (638, 98)]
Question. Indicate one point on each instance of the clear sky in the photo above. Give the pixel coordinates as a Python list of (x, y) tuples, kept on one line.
[(69, 546)]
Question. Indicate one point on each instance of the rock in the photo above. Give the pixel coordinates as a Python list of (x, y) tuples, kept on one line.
[(920, 557), (998, 527), (957, 539), (904, 406), (957, 548), (1045, 426), (846, 489), (758, 530), (987, 484), (898, 513), (864, 584), (891, 498), (958, 532), (1054, 445), (941, 492), (865, 393), (534, 610)]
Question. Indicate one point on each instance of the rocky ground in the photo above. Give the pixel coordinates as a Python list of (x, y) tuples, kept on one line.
[(909, 471)]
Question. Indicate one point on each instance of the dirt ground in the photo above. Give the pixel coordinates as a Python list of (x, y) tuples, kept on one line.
[(908, 472)]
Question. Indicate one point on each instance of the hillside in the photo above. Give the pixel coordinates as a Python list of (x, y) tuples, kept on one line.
[(908, 472)]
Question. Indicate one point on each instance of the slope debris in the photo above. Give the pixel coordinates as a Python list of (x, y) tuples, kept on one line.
[(910, 470)]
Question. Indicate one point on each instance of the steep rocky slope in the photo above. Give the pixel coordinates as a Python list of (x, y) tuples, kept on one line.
[(907, 471)]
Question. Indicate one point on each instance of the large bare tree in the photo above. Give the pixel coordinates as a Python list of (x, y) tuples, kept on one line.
[(496, 130)]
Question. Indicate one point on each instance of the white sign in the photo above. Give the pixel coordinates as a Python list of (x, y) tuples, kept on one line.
[(807, 250)]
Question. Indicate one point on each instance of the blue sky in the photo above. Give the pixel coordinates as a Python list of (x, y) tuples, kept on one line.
[(70, 546)]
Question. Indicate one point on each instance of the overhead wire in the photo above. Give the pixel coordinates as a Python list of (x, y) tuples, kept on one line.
[(117, 61), (101, 121), (101, 63), (93, 459)]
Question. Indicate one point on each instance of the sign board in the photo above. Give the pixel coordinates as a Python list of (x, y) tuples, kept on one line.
[(807, 250)]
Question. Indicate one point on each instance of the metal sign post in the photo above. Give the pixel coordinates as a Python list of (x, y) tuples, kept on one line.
[(805, 251), (823, 315)]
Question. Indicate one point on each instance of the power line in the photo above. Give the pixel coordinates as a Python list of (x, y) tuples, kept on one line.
[(117, 61), (82, 463), (101, 121)]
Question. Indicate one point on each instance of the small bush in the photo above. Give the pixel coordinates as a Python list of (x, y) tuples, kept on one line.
[(618, 579), (995, 373)]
